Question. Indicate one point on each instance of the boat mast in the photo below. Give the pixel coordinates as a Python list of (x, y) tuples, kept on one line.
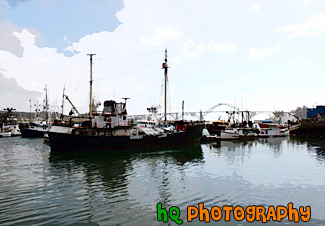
[(46, 107), (165, 66), (30, 110), (91, 83), (62, 106)]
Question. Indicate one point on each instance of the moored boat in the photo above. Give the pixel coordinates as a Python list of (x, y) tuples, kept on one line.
[(229, 134), (9, 124), (39, 126), (111, 130), (271, 128), (216, 127), (34, 129), (5, 134)]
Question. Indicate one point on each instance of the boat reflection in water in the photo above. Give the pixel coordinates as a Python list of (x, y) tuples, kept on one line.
[(40, 187), (118, 187), (179, 155), (314, 144)]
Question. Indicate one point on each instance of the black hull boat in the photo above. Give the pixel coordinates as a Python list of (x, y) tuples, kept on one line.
[(96, 139), (39, 127), (27, 133), (111, 130), (33, 130)]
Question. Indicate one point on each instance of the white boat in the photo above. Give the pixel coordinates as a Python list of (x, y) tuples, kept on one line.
[(235, 133), (229, 134), (35, 129), (247, 133), (270, 128), (39, 126), (10, 123), (5, 134)]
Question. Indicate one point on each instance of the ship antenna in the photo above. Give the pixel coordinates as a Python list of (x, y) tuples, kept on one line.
[(125, 99), (165, 66), (91, 83)]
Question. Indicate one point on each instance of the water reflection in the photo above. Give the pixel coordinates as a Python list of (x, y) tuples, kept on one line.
[(271, 171), (123, 187), (180, 155), (111, 182), (314, 144)]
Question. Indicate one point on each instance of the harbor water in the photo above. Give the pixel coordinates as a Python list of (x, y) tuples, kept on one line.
[(39, 187)]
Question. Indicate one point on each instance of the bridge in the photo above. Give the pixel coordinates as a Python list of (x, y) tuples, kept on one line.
[(202, 115)]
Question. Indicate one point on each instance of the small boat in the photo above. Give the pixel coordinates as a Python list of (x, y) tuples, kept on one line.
[(216, 127), (10, 123), (213, 131), (34, 129), (247, 134), (229, 133), (5, 134), (39, 126), (236, 133), (209, 138), (271, 128)]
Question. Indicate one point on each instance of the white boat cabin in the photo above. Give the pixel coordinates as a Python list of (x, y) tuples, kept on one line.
[(113, 115)]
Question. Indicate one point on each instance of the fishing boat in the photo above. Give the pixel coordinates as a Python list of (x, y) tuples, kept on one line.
[(215, 129), (34, 129), (244, 130), (236, 133), (229, 134), (3, 133), (111, 130), (271, 128), (9, 124), (39, 126)]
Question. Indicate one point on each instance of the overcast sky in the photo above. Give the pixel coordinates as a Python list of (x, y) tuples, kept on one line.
[(256, 54)]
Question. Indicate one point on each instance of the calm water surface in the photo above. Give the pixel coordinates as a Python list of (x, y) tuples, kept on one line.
[(38, 187)]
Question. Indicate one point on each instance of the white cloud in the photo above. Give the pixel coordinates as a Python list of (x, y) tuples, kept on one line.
[(313, 26), (187, 33), (293, 63), (192, 50), (306, 2), (226, 48), (307, 61), (256, 53), (162, 35), (256, 7)]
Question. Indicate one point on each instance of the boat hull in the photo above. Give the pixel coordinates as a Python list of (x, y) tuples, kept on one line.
[(5, 134), (60, 141), (229, 135), (13, 129), (28, 133), (274, 133)]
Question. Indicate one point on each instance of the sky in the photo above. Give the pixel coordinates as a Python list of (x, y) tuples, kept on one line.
[(255, 54)]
